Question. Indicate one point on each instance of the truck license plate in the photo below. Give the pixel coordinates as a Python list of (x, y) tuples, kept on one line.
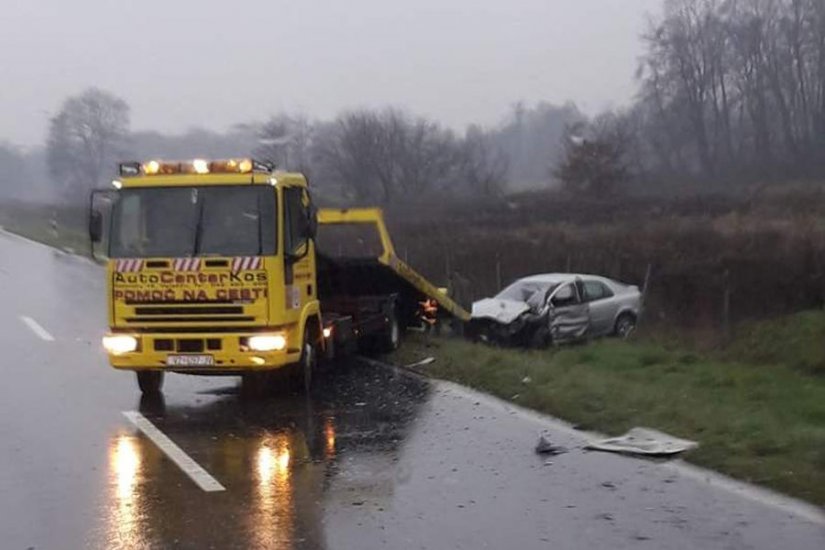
[(190, 361)]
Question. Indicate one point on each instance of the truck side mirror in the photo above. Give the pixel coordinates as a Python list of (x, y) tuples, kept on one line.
[(312, 222), (100, 208), (95, 226)]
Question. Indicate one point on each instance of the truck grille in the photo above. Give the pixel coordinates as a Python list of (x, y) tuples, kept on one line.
[(187, 345), (189, 319), (207, 310), (174, 313)]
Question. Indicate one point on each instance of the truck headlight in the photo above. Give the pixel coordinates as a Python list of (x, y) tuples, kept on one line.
[(267, 342), (118, 344)]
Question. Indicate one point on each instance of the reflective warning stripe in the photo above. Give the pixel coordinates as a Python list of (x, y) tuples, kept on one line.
[(187, 264), (128, 265), (246, 263)]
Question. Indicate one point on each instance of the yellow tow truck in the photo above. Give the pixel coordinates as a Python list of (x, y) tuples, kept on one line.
[(213, 269)]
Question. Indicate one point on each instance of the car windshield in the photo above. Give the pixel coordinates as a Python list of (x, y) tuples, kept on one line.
[(526, 291), (194, 221)]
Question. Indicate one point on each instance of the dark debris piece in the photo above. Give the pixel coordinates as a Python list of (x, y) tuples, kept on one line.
[(544, 447)]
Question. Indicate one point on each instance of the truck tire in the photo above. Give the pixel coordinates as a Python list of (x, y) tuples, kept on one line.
[(391, 338), (150, 382), (309, 358)]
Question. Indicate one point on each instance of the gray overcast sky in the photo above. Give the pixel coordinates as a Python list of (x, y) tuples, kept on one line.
[(212, 63)]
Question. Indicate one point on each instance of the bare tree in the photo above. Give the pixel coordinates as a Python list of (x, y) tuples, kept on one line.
[(736, 88), (85, 140), (596, 157), (386, 155), (287, 141), (484, 166)]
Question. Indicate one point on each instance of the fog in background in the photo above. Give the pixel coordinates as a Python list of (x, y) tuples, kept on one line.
[(212, 63), (391, 104)]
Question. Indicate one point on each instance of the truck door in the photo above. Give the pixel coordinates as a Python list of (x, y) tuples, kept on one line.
[(299, 255)]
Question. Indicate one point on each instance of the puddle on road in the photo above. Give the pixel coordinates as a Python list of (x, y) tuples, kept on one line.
[(283, 460)]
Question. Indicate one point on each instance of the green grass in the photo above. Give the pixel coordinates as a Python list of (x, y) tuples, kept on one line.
[(33, 222), (796, 340), (764, 424)]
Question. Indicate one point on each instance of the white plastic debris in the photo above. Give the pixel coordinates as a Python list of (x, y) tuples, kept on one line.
[(424, 362), (644, 441)]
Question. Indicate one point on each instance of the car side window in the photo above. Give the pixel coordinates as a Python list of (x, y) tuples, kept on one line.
[(595, 290), (565, 296)]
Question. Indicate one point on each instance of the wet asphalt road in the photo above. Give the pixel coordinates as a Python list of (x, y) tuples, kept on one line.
[(375, 458)]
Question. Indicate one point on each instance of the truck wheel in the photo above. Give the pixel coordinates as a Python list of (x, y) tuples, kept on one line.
[(391, 339), (150, 381), (309, 358)]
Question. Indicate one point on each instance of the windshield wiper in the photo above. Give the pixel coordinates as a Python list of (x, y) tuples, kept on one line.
[(198, 229)]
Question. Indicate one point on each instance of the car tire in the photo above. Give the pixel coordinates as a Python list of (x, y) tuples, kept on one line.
[(625, 325), (540, 339), (150, 382)]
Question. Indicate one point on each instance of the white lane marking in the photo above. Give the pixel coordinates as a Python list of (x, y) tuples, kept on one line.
[(196, 473), (37, 329)]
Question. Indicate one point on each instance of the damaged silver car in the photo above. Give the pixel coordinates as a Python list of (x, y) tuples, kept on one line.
[(555, 308)]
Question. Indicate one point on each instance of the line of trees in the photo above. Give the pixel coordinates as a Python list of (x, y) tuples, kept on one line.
[(735, 88), (731, 91), (381, 156)]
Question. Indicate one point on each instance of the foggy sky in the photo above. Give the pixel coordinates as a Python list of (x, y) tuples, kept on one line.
[(213, 63)]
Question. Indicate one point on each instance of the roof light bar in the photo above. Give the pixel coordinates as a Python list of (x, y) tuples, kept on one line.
[(195, 166)]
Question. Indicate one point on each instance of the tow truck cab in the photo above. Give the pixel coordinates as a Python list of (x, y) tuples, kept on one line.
[(212, 269)]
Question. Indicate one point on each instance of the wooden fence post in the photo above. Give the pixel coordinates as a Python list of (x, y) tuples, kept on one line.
[(726, 324), (646, 283), (498, 271)]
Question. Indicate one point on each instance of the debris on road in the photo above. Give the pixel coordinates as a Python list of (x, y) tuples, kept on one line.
[(544, 447), (644, 441), (423, 363)]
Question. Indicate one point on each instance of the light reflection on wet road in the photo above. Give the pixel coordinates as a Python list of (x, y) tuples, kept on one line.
[(374, 459)]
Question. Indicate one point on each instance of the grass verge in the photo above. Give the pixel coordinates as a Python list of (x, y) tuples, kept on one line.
[(763, 424), (33, 222)]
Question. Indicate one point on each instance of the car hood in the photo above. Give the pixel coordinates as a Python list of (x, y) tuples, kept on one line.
[(503, 311)]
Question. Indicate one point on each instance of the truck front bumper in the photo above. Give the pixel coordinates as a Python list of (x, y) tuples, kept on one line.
[(220, 353)]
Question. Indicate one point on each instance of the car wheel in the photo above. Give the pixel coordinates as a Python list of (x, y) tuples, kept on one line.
[(625, 325), (150, 382), (540, 339)]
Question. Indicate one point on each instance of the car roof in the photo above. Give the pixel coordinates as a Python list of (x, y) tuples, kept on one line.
[(558, 278)]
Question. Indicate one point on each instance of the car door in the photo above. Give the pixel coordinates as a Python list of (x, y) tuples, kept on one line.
[(569, 314), (602, 306)]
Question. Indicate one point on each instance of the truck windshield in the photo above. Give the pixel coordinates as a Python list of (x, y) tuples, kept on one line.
[(194, 221)]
